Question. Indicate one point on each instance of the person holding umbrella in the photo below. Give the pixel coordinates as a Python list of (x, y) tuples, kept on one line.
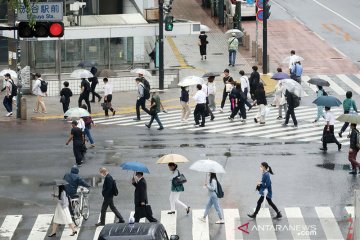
[(292, 102), (85, 93), (349, 106), (62, 213), (320, 109), (328, 132), (203, 42), (233, 45), (265, 184)]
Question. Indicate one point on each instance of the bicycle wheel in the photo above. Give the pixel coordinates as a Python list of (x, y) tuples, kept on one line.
[(77, 215), (85, 208)]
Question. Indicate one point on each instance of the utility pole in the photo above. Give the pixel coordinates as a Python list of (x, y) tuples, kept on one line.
[(265, 17), (238, 17), (161, 44)]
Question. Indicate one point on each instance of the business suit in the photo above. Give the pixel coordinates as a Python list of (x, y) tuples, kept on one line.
[(140, 196), (108, 194)]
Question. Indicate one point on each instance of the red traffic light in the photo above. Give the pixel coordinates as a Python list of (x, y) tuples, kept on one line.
[(56, 29), (41, 30)]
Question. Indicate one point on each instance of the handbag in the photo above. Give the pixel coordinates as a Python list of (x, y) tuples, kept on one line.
[(179, 179), (258, 187), (62, 99), (105, 106)]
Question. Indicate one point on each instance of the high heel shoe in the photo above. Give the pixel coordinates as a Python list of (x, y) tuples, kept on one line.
[(52, 235), (73, 234)]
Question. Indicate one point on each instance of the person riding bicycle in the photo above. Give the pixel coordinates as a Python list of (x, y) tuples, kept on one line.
[(74, 181)]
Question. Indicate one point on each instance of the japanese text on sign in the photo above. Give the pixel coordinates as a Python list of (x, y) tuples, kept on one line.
[(44, 11)]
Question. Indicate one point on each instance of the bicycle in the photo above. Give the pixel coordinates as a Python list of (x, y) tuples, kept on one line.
[(80, 205)]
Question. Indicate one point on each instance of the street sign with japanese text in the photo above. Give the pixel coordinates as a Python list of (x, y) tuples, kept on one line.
[(43, 11)]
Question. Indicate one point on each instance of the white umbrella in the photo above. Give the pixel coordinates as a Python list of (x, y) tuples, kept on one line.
[(12, 73), (293, 59), (237, 32), (141, 71), (204, 28), (76, 113), (81, 73), (190, 80), (293, 87), (208, 166)]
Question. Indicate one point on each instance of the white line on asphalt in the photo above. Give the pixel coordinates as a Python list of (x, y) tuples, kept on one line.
[(169, 222), (340, 52), (353, 86), (67, 231), (320, 37), (337, 14), (232, 222), (295, 218), (264, 219), (328, 223), (200, 230), (9, 226), (333, 85), (41, 226), (110, 218)]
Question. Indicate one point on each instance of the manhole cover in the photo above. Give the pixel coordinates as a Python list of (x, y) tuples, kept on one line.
[(217, 54)]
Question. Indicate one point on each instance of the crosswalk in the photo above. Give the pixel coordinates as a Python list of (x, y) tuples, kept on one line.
[(307, 130), (295, 224)]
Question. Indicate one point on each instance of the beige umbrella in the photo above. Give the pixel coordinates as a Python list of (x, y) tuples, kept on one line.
[(350, 118), (172, 158)]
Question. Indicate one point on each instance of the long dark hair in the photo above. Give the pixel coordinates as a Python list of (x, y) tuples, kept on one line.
[(212, 176), (61, 189), (267, 167)]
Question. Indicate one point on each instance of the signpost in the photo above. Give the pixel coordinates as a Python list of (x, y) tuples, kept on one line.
[(43, 12), (260, 15)]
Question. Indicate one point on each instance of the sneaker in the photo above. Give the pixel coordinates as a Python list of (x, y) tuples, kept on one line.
[(339, 147), (294, 126), (284, 124), (44, 112), (315, 121), (231, 119), (243, 120), (187, 210), (202, 125), (279, 118), (353, 172), (220, 222), (340, 134), (255, 120), (148, 126), (9, 114), (221, 110), (161, 128), (92, 145), (205, 57), (278, 215), (323, 149), (35, 111), (99, 224), (114, 113), (212, 118), (202, 219)]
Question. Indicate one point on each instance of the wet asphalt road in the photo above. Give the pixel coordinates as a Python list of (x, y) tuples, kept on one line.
[(35, 152)]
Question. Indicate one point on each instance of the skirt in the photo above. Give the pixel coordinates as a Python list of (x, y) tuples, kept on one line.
[(62, 215)]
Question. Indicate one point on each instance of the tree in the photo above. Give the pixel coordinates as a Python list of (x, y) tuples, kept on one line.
[(17, 4)]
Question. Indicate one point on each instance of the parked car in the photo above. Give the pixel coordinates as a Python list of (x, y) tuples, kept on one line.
[(135, 231), (248, 8)]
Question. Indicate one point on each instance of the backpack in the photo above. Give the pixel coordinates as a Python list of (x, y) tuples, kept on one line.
[(14, 88), (146, 92), (146, 83), (43, 86), (296, 100), (220, 192), (115, 189)]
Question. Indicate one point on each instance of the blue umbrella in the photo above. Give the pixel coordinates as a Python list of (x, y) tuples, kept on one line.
[(327, 101), (134, 166), (280, 76)]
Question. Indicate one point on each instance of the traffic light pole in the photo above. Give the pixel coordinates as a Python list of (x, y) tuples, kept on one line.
[(265, 60), (161, 44)]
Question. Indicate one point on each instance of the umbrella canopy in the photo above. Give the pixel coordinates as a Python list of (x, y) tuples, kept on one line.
[(350, 118), (204, 28), (81, 73), (172, 158), (12, 73), (211, 74), (327, 101), (319, 82), (207, 166), (293, 87), (293, 58), (107, 73), (190, 80), (238, 33), (76, 113), (84, 64), (280, 76), (56, 182), (141, 71), (134, 166)]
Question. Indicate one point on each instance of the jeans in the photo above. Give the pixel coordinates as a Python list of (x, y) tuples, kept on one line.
[(200, 112), (281, 108), (141, 103), (259, 202), (232, 57), (185, 110), (85, 96), (157, 119), (291, 112), (8, 103), (320, 113), (213, 200), (109, 202), (174, 198), (352, 159), (88, 134)]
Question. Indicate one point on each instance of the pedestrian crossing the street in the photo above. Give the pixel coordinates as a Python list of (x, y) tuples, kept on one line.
[(297, 223), (307, 130)]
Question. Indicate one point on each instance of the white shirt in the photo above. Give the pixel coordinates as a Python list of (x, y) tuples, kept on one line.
[(244, 81), (81, 124), (329, 117), (209, 88), (108, 89), (200, 97), (292, 60), (8, 86), (36, 89)]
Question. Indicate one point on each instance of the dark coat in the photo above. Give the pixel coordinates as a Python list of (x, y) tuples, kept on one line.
[(289, 99), (260, 96), (140, 194), (74, 181), (254, 80), (108, 187), (353, 139)]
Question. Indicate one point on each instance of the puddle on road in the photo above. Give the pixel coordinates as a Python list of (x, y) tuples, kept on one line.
[(334, 166)]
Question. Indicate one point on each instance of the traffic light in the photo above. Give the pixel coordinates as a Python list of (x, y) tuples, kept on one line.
[(169, 25), (267, 12), (41, 30)]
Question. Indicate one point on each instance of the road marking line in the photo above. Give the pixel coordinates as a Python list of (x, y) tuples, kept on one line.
[(340, 52), (313, 87), (110, 218), (232, 222), (177, 53), (333, 85), (264, 219), (200, 230), (67, 231), (41, 226), (9, 226), (328, 223), (353, 86), (142, 220), (169, 222), (295, 218)]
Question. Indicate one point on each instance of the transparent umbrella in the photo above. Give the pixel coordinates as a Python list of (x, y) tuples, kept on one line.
[(190, 80), (12, 73), (293, 87), (81, 73), (76, 113), (237, 32), (141, 71), (208, 166)]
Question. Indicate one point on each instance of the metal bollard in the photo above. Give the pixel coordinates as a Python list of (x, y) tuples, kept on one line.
[(247, 42), (23, 109), (253, 49)]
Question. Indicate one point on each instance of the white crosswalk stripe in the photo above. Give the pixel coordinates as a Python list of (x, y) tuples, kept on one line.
[(293, 219)]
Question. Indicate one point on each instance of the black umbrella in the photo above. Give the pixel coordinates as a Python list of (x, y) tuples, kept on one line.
[(211, 74), (56, 182), (319, 82), (85, 64)]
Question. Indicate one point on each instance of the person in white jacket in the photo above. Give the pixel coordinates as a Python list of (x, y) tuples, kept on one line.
[(40, 95)]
